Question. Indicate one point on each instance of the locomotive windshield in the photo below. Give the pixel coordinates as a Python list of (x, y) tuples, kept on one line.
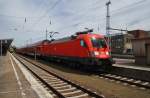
[(98, 42)]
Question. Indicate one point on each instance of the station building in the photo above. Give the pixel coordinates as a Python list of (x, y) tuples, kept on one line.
[(135, 42), (141, 46), (121, 43), (4, 45)]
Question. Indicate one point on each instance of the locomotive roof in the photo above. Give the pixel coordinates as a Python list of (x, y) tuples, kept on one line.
[(37, 43), (72, 37), (62, 39), (77, 34), (40, 42)]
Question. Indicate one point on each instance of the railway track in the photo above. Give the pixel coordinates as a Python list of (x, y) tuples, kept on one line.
[(126, 81), (56, 85)]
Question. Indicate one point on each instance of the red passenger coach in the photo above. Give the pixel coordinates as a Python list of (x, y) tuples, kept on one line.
[(85, 50), (33, 49)]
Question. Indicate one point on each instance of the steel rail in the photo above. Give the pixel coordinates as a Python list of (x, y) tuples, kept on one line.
[(87, 91)]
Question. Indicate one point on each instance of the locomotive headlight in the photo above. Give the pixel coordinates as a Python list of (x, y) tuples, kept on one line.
[(107, 53), (96, 53)]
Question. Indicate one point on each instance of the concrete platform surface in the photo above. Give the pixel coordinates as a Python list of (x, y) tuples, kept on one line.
[(130, 63), (13, 83)]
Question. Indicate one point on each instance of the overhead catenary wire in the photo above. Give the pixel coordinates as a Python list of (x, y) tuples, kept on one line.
[(17, 17), (40, 18), (44, 15), (25, 18)]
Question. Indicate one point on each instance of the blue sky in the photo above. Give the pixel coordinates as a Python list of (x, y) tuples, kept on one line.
[(67, 17)]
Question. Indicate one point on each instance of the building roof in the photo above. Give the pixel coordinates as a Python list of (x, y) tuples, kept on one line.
[(139, 33), (144, 38)]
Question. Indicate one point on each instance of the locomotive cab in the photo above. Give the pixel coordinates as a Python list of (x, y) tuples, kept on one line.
[(99, 48), (99, 51)]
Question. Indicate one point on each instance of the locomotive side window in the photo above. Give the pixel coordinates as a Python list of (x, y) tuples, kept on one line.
[(98, 42), (82, 43)]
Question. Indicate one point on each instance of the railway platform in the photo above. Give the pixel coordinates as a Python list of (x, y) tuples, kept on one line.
[(16, 83), (130, 63), (123, 56)]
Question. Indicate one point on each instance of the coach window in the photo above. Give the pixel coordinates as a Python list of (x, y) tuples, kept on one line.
[(82, 43)]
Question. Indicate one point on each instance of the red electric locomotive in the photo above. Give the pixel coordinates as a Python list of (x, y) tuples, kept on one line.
[(83, 49)]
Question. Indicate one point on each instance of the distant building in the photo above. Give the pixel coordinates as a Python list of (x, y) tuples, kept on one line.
[(136, 42), (121, 43), (141, 46), (139, 33), (4, 45), (141, 50)]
